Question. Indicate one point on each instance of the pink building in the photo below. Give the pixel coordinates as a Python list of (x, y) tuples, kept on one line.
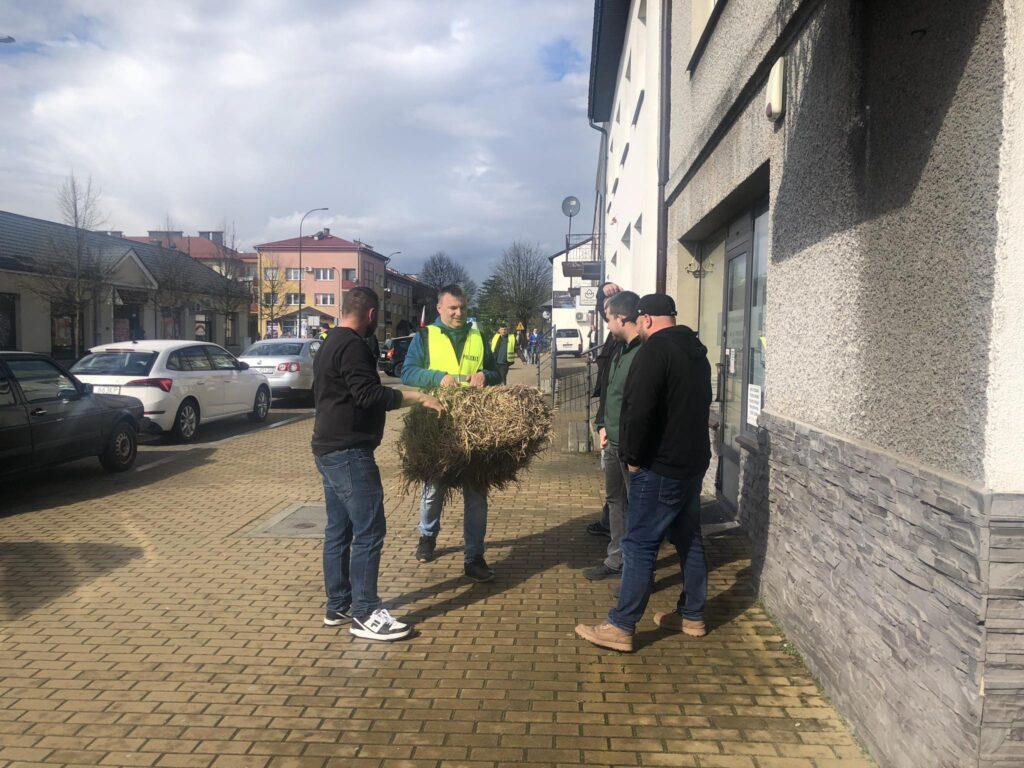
[(326, 267)]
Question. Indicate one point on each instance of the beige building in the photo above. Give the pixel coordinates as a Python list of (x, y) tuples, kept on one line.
[(842, 194), (123, 290)]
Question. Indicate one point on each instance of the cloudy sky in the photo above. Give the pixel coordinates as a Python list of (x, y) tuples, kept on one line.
[(423, 125)]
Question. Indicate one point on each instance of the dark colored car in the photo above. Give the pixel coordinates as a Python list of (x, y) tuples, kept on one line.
[(47, 416), (392, 355)]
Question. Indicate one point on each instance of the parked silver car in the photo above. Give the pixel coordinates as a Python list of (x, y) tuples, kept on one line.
[(287, 364)]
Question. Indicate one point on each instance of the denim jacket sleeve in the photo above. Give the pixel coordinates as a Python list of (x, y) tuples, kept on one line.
[(414, 374)]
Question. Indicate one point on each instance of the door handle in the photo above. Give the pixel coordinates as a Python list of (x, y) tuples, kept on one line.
[(38, 412)]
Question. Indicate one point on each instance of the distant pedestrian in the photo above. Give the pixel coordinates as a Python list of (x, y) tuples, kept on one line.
[(534, 342), (324, 328), (621, 318), (664, 442), (503, 346), (349, 424)]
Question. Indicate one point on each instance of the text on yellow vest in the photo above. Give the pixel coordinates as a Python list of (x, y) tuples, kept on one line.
[(442, 354)]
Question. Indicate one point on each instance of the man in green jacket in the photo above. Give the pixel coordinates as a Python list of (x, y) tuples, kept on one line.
[(620, 311)]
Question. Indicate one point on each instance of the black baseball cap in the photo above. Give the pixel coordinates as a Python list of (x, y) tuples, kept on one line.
[(657, 305)]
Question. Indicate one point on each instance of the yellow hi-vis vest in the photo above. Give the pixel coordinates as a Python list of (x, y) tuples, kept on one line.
[(511, 346), (442, 354)]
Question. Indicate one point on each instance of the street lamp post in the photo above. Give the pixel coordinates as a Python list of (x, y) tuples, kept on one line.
[(298, 321), (387, 260)]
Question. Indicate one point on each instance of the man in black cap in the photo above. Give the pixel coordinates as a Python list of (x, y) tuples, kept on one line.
[(663, 439)]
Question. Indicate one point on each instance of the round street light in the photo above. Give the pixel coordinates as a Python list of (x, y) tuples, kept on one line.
[(298, 321)]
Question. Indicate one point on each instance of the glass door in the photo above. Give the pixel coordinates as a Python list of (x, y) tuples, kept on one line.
[(733, 361), (733, 355)]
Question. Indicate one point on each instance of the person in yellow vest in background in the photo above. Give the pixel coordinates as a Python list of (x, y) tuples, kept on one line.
[(503, 347), (448, 354)]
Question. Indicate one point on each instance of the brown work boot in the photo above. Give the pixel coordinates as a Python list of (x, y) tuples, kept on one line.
[(607, 636), (676, 623)]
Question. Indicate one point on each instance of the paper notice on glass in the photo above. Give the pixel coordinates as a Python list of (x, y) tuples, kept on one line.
[(753, 404)]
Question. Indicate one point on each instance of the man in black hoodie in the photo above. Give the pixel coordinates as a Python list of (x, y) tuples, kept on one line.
[(350, 407), (663, 440)]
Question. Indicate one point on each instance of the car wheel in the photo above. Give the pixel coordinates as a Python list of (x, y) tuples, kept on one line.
[(260, 406), (121, 449), (186, 422)]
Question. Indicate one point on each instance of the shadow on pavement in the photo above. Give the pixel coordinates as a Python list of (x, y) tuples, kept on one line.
[(34, 573), (86, 480), (560, 547)]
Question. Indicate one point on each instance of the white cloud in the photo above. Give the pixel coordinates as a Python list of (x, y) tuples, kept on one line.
[(424, 125)]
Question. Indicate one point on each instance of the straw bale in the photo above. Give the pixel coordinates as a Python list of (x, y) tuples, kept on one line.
[(484, 439)]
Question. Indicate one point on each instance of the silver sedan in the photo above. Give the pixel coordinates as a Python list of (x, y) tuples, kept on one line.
[(287, 364)]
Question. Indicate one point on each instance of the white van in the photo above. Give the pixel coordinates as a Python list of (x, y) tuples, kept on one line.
[(568, 341)]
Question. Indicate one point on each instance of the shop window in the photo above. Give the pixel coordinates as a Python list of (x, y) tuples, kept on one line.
[(8, 321)]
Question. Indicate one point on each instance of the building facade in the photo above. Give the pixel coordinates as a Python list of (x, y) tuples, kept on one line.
[(574, 296), (312, 280), (626, 91), (64, 290), (843, 185)]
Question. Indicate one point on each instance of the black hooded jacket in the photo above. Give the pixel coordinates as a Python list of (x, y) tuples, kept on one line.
[(664, 422)]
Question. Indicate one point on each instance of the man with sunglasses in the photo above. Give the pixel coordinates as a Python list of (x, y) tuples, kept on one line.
[(620, 314), (664, 442), (607, 350)]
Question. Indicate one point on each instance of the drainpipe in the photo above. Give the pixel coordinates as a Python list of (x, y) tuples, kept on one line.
[(664, 105), (601, 189)]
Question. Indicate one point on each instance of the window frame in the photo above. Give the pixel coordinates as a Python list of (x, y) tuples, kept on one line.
[(717, 6)]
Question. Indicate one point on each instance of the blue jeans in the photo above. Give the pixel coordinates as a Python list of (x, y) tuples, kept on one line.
[(474, 517), (658, 507), (354, 535)]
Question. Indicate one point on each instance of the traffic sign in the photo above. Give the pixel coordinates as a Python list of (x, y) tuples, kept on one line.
[(520, 327)]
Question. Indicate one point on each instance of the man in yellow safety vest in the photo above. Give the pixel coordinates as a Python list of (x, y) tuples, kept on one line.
[(503, 346), (448, 354)]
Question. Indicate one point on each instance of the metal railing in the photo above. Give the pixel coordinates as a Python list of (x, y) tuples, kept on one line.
[(570, 387)]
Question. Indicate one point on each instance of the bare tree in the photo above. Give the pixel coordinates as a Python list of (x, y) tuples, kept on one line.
[(272, 289), (175, 292), (75, 274), (235, 293), (524, 280), (440, 270)]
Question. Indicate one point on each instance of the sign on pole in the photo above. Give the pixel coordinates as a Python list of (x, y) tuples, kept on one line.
[(588, 296), (562, 300)]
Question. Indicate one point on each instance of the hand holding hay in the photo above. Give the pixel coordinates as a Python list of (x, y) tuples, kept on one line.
[(483, 439)]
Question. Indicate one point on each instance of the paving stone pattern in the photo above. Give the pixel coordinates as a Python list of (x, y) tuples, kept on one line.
[(885, 575), (141, 626)]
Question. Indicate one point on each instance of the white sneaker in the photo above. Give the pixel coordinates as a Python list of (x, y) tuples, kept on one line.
[(379, 626), (395, 622)]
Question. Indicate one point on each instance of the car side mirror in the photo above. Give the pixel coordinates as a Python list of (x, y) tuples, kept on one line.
[(68, 394), (243, 366), (86, 389)]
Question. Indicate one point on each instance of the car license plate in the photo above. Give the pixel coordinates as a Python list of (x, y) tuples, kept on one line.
[(106, 389), (266, 370)]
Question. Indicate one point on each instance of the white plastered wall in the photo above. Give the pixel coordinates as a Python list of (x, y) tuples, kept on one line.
[(1004, 444)]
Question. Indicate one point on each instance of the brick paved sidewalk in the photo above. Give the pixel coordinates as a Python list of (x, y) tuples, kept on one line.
[(142, 626)]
